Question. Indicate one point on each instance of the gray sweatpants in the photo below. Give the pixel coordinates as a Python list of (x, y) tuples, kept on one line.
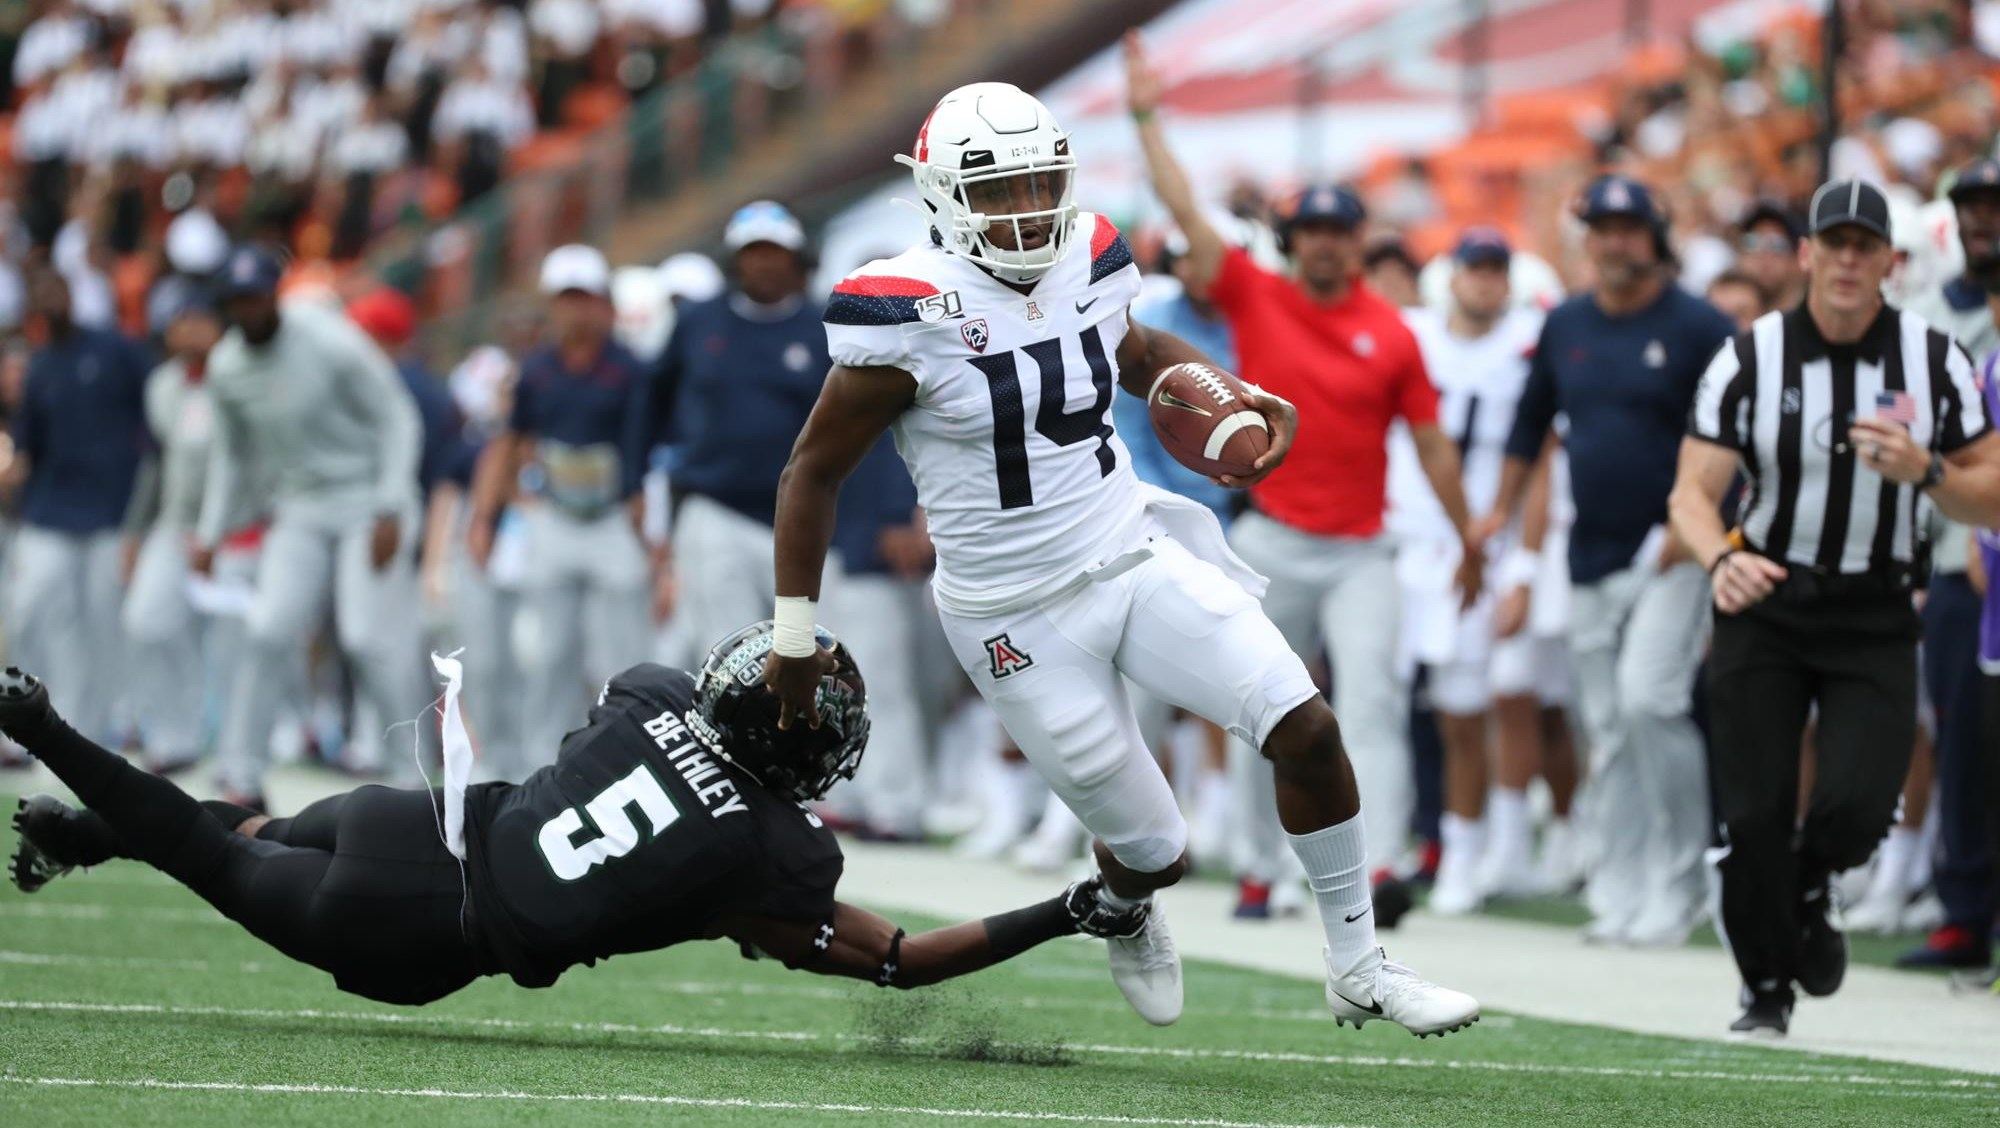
[(1637, 637), (309, 556), (1342, 593), (61, 605), (584, 618)]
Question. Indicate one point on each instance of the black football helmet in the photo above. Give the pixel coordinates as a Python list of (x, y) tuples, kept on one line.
[(741, 716)]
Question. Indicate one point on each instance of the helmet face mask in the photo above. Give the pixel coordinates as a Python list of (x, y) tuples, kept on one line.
[(995, 174), (739, 717)]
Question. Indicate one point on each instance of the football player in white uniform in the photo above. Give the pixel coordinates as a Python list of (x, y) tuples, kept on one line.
[(993, 352), (1476, 349)]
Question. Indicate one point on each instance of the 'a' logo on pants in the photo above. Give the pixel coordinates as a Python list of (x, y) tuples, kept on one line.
[(1004, 658)]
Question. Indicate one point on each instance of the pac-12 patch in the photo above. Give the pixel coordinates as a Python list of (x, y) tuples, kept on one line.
[(1003, 658), (974, 332)]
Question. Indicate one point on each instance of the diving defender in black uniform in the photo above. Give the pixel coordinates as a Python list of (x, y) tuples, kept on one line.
[(673, 815)]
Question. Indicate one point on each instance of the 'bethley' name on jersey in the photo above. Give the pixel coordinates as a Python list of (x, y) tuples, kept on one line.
[(697, 766)]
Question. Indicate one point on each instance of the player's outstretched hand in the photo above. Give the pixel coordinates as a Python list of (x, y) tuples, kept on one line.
[(796, 682), (1284, 421), (1142, 84)]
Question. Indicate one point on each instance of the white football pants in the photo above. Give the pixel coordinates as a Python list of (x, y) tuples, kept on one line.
[(585, 617), (62, 607)]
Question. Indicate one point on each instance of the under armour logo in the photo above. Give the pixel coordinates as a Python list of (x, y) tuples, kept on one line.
[(1003, 658), (824, 940)]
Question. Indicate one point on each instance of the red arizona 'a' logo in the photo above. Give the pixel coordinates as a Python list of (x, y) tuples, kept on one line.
[(1004, 658)]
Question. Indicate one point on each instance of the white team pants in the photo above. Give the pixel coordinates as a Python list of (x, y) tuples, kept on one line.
[(308, 557), (1180, 629), (62, 606), (1638, 637), (585, 617), (1341, 593), (495, 690), (879, 617), (724, 562), (166, 647)]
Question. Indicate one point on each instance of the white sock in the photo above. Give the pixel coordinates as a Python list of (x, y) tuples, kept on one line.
[(1336, 865), (1899, 856), (1463, 841), (1507, 821)]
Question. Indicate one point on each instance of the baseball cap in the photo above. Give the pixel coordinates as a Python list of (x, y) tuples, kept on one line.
[(1982, 175), (576, 267), (248, 270), (1773, 211), (691, 275), (1614, 195), (765, 221), (386, 315), (1856, 202), (1482, 246), (1327, 203)]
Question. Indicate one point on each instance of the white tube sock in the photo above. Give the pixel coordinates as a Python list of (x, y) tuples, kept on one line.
[(1336, 864)]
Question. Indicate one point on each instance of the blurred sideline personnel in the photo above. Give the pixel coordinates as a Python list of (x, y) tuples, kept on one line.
[(1965, 868), (78, 441), (1477, 354), (731, 393), (1621, 363), (993, 350), (1739, 297), (1812, 591), (1767, 250), (165, 631), (1321, 337), (304, 400), (1986, 577), (547, 874), (570, 463)]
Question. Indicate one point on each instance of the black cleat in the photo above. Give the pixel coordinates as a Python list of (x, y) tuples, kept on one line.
[(1768, 1015), (1822, 959), (56, 838), (24, 702)]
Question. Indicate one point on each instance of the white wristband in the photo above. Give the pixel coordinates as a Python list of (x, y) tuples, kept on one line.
[(1519, 568), (793, 634)]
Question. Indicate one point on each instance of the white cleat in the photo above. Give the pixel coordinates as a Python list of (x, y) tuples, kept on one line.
[(1376, 988), (1147, 968)]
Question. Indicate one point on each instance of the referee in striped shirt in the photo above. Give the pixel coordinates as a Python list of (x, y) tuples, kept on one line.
[(1849, 418)]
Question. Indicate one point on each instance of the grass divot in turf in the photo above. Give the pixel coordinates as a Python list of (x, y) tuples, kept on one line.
[(949, 1023)]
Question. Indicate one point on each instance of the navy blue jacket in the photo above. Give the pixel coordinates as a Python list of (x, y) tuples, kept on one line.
[(1626, 384), (442, 424), (82, 425), (878, 495), (603, 404), (732, 394)]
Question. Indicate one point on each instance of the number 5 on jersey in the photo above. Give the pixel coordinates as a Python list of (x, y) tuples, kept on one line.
[(610, 817)]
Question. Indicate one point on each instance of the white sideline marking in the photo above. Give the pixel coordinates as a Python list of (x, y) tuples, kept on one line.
[(1823, 1075), (65, 959), (646, 1099)]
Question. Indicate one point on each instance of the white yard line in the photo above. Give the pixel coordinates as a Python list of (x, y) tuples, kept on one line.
[(645, 1099), (66, 910), (1864, 1082)]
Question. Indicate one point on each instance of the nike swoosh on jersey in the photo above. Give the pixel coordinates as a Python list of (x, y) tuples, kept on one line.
[(1172, 400), (1082, 306), (1371, 1008)]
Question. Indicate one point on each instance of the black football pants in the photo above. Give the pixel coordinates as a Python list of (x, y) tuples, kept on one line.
[(1768, 667), (359, 885)]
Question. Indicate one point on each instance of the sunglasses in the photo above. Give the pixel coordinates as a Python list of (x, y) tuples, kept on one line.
[(1770, 244)]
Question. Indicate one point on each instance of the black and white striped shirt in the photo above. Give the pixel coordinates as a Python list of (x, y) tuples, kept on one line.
[(1782, 395)]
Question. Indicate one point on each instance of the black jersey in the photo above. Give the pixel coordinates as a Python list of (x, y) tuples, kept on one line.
[(637, 837)]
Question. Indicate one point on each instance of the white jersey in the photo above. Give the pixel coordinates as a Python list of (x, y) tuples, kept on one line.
[(1479, 386), (1010, 442)]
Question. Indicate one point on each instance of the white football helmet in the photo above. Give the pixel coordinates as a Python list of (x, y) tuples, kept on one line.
[(991, 159)]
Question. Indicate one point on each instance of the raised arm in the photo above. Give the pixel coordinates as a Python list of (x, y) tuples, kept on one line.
[(1170, 182), (855, 406)]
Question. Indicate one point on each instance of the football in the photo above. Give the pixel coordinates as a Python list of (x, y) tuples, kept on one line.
[(1203, 418)]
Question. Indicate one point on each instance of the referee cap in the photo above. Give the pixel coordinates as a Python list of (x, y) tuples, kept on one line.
[(1842, 202)]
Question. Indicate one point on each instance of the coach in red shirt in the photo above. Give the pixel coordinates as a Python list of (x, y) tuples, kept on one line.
[(1318, 336)]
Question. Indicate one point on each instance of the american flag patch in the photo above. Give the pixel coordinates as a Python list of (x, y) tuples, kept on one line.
[(1896, 407)]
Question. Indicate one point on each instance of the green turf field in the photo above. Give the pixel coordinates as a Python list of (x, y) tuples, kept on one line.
[(126, 1001)]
